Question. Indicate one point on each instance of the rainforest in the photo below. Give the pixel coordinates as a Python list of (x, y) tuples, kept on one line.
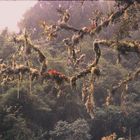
[(71, 71)]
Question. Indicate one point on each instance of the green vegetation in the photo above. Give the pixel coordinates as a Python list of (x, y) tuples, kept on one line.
[(64, 78)]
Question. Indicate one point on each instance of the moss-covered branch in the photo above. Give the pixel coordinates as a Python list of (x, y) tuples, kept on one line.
[(111, 19), (123, 47), (63, 24), (124, 82)]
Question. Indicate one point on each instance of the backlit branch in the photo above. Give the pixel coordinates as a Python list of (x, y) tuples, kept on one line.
[(124, 82)]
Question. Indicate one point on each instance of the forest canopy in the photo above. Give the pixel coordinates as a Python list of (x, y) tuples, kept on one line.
[(73, 66)]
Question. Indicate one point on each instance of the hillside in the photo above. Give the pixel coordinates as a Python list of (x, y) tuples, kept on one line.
[(72, 72)]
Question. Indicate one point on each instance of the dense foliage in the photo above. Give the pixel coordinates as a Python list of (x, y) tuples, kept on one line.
[(65, 78)]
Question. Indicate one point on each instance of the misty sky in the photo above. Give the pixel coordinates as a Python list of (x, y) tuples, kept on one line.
[(11, 12)]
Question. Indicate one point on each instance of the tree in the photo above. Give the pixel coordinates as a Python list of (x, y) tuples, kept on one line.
[(32, 64), (78, 130)]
